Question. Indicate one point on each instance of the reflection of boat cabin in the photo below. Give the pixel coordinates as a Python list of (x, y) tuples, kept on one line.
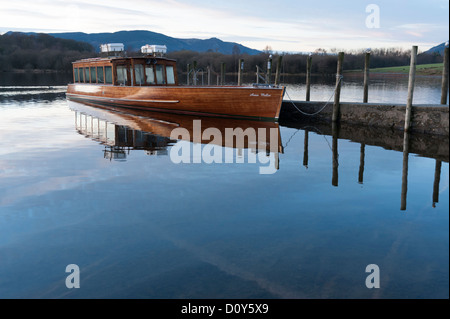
[(139, 71)]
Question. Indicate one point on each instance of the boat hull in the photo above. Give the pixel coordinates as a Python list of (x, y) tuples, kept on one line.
[(222, 101)]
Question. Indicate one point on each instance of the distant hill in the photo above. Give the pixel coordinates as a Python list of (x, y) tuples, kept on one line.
[(437, 49), (133, 40), (39, 51)]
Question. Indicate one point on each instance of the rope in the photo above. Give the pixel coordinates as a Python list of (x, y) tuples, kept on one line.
[(315, 113), (315, 129)]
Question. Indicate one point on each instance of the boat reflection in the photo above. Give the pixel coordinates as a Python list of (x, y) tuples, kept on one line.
[(159, 134), (122, 130)]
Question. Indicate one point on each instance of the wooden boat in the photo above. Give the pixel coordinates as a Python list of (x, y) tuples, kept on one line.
[(150, 82)]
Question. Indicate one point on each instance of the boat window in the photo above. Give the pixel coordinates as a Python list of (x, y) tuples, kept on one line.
[(108, 75), (93, 75), (122, 78), (81, 75), (86, 74), (100, 74), (75, 74), (150, 74), (139, 74), (160, 75), (170, 74)]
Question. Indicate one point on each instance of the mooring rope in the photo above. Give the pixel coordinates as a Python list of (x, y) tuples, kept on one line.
[(306, 128), (315, 113)]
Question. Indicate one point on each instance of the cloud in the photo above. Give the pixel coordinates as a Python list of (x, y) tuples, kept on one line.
[(287, 26)]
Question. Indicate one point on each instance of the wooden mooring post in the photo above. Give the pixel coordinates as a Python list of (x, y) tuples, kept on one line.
[(222, 73), (269, 70), (444, 88), (208, 68), (337, 94), (308, 77), (444, 95), (412, 77), (194, 73), (366, 77), (188, 73), (278, 71), (240, 71)]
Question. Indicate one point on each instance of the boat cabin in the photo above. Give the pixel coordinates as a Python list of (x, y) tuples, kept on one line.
[(123, 71)]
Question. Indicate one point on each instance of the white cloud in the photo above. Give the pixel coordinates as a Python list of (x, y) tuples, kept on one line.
[(286, 26)]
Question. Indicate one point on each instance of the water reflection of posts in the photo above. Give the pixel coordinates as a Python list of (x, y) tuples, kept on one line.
[(305, 150), (361, 163), (405, 170), (437, 177), (334, 147)]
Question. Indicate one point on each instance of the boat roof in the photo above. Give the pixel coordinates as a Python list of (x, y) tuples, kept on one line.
[(119, 58)]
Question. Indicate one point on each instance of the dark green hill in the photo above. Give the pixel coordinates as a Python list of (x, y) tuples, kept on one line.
[(39, 51)]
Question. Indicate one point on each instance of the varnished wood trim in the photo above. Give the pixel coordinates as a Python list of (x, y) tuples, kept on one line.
[(90, 97)]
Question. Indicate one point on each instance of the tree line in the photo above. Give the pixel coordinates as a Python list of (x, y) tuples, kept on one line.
[(19, 51), (322, 62)]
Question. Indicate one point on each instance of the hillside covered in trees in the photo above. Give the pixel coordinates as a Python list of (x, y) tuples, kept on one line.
[(19, 51)]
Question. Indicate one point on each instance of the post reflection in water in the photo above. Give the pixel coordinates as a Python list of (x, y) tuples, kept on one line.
[(361, 163), (405, 170), (429, 146), (77, 186), (305, 150), (126, 130), (335, 133), (437, 177)]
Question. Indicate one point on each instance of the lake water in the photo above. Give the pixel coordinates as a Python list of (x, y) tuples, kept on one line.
[(298, 216)]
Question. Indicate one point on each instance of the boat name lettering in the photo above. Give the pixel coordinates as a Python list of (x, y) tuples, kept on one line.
[(262, 94)]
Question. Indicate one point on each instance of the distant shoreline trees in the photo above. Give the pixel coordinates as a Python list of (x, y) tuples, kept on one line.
[(19, 51), (38, 52), (323, 63)]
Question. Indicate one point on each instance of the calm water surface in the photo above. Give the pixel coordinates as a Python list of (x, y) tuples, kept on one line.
[(99, 189)]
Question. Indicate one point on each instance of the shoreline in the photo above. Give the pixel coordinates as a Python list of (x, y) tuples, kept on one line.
[(35, 71)]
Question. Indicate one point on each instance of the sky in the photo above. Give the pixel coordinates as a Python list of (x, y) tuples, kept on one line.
[(284, 25)]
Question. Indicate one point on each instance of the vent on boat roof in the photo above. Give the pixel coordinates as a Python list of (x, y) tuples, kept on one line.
[(115, 48), (154, 49)]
